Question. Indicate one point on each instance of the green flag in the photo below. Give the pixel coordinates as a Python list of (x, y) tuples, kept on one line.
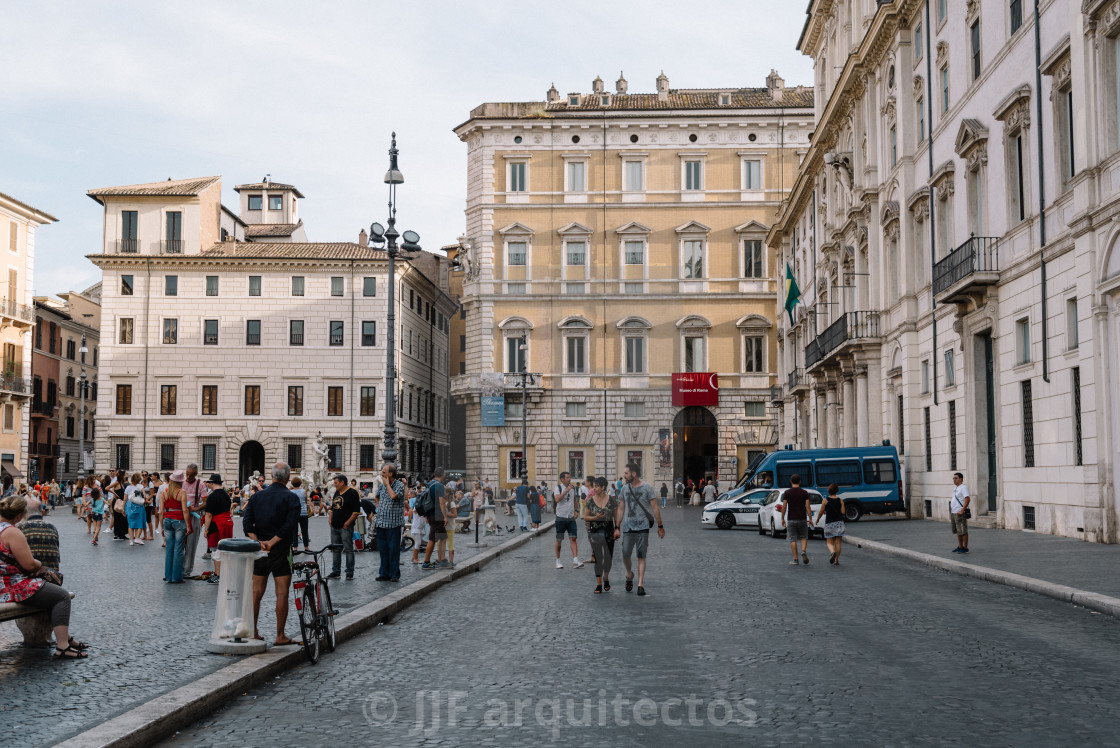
[(793, 293)]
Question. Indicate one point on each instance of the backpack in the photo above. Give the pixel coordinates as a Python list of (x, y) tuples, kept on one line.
[(426, 503)]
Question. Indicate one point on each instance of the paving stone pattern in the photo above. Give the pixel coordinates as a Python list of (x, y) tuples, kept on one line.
[(731, 647), (146, 637)]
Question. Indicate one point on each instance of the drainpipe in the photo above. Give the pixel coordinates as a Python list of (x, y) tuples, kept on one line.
[(1041, 190), (929, 187), (147, 350), (353, 394)]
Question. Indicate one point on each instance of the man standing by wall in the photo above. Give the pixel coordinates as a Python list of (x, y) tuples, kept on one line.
[(958, 505), (344, 512)]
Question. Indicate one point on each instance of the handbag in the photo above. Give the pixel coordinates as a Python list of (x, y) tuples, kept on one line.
[(137, 498)]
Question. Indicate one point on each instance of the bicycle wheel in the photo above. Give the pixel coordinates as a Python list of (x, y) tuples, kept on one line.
[(307, 626), (407, 542), (326, 613)]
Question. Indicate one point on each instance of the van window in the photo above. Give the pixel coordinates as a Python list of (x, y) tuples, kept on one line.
[(786, 469), (841, 472), (879, 471)]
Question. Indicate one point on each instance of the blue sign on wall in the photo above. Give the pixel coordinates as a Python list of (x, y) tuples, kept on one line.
[(494, 411)]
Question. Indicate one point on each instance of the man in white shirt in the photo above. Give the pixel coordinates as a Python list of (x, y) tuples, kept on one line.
[(566, 509), (957, 506)]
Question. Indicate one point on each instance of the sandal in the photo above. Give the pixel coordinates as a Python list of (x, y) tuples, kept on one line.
[(630, 583), (70, 653), (598, 589), (606, 586), (80, 646)]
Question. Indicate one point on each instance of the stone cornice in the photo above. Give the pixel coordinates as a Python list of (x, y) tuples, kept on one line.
[(158, 263)]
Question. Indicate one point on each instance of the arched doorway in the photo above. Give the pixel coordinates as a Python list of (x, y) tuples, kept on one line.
[(695, 444), (249, 458)]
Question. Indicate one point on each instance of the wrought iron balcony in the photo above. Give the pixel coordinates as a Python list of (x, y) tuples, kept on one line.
[(171, 247), (849, 326), (796, 378), (43, 408), (15, 385), (967, 269), (128, 246), (16, 311)]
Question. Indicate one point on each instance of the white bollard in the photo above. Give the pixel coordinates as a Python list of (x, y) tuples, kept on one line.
[(233, 621)]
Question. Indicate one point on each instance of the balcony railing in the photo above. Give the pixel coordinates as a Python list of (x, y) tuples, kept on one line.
[(43, 448), (15, 310), (252, 338), (850, 326), (979, 254), (128, 246), (796, 378), (296, 338), (43, 408), (171, 247), (15, 384)]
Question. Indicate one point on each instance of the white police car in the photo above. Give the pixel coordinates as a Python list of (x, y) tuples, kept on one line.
[(770, 513), (726, 513)]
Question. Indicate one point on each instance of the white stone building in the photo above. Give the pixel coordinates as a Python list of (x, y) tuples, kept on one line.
[(953, 231), (231, 341)]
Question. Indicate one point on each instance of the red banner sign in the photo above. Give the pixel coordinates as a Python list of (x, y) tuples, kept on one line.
[(696, 388)]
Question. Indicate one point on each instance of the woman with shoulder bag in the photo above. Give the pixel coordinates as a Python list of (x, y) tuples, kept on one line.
[(134, 511), (832, 509), (117, 502), (172, 514)]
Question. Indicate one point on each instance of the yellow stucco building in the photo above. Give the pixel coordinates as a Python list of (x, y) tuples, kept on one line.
[(614, 244)]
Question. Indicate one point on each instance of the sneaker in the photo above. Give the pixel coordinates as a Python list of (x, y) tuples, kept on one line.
[(131, 543), (964, 550), (206, 556), (213, 579), (795, 562), (349, 577), (804, 558), (443, 564), (576, 563), (559, 565), (335, 575), (956, 550), (428, 566)]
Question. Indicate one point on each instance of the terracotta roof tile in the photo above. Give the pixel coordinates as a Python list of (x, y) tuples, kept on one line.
[(271, 229), (170, 188), (292, 251), (267, 186)]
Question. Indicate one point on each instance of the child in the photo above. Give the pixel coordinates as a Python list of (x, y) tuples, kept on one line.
[(97, 511), (418, 531)]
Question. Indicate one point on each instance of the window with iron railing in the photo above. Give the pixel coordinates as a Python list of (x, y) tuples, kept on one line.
[(253, 332), (210, 332)]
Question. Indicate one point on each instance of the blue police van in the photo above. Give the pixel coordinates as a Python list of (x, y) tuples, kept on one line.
[(869, 478)]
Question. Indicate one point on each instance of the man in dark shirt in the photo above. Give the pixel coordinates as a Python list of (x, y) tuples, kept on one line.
[(437, 524), (270, 518), (521, 501), (42, 536), (217, 522), (796, 509), (344, 512)]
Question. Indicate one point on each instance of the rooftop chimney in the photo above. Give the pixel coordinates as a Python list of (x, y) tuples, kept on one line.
[(363, 238), (620, 84), (662, 87), (597, 85), (775, 86), (553, 94)]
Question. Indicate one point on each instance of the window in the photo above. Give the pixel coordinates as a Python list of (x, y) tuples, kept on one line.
[(256, 202), (123, 456), (167, 397), (921, 119), (693, 175), (576, 253), (369, 286), (752, 258), (894, 145), (692, 258), (334, 457), (753, 350), (368, 404), (840, 472), (576, 360), (334, 401), (9, 417), (514, 409), (295, 332), (1075, 386), (211, 285), (1023, 341), (878, 472), (786, 470), (694, 353), (126, 285), (752, 175), (515, 355), (941, 11), (69, 427), (577, 176), (210, 457), (570, 288), (252, 399), (515, 253), (929, 441), (276, 202), (517, 173), (369, 333), (254, 285), (71, 349), (210, 332), (338, 286), (901, 426), (974, 33), (944, 78), (635, 252), (297, 285), (1072, 339), (1016, 15), (126, 326), (124, 399), (950, 368), (367, 457), (754, 409), (174, 234), (519, 288), (252, 332), (635, 355), (462, 344), (1028, 424), (576, 461), (952, 434), (925, 377), (171, 285), (336, 332), (295, 401), (633, 176), (575, 410), (1065, 135), (634, 409), (515, 466), (129, 227)]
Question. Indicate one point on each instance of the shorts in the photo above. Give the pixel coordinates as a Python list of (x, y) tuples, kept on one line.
[(278, 562), (958, 524), (834, 529), (437, 527), (97, 517), (635, 540), (797, 529), (568, 525), (150, 511)]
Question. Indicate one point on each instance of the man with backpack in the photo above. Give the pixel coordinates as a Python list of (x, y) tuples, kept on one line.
[(637, 512), (431, 504)]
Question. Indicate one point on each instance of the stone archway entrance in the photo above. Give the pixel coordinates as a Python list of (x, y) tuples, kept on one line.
[(695, 444), (249, 458)]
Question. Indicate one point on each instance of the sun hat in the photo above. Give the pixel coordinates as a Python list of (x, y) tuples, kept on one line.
[(178, 476)]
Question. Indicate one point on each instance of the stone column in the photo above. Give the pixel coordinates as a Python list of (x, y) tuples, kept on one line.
[(862, 410), (831, 426), (850, 408)]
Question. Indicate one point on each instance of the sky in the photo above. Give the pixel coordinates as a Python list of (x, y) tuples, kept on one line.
[(99, 94)]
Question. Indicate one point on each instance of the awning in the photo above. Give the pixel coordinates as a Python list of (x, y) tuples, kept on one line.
[(9, 468)]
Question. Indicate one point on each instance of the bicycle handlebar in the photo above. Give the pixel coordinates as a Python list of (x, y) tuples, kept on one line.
[(324, 549)]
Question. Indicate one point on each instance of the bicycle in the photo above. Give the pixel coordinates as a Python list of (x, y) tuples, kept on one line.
[(407, 541), (313, 603)]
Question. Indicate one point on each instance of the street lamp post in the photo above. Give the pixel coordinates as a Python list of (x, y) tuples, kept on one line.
[(380, 235), (82, 415), (523, 348)]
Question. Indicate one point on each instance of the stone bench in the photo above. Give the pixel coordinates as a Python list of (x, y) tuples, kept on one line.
[(34, 624)]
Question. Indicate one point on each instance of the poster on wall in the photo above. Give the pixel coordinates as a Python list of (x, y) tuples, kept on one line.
[(492, 391), (695, 388), (665, 448)]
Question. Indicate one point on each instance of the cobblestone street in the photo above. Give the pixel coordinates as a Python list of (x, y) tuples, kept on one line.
[(145, 637), (732, 646)]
